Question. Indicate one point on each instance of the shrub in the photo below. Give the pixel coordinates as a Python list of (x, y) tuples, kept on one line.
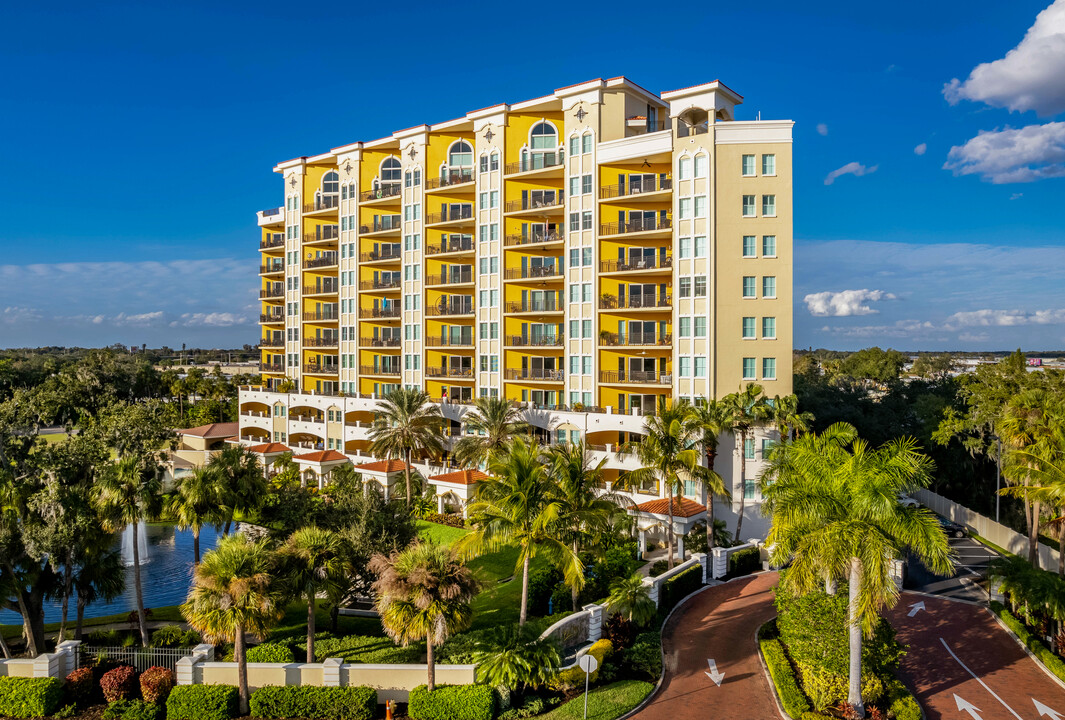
[(132, 710), (29, 697), (615, 563), (156, 684), (452, 702), (1051, 661), (531, 706), (825, 688), (658, 567), (574, 676), (270, 653), (676, 588), (79, 686), (644, 658), (542, 582), (306, 701), (620, 631), (119, 684), (174, 636), (744, 562), (791, 696), (901, 703), (202, 702), (455, 521), (562, 599), (366, 649)]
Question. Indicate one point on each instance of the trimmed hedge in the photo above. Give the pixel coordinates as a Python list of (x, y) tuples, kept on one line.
[(119, 684), (574, 676), (452, 702), (902, 705), (270, 653), (744, 562), (455, 521), (678, 587), (318, 703), (29, 697), (80, 685), (1051, 661), (202, 702), (156, 684), (791, 696), (132, 710)]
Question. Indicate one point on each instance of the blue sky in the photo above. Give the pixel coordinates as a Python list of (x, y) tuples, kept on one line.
[(138, 141)]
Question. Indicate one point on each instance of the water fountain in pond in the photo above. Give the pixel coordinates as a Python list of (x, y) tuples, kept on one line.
[(127, 544)]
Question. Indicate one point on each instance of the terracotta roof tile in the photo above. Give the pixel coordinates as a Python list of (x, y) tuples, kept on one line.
[(682, 507), (461, 477), (385, 466), (267, 448), (213, 430), (321, 456)]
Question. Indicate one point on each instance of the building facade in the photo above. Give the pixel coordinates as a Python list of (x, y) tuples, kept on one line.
[(583, 253)]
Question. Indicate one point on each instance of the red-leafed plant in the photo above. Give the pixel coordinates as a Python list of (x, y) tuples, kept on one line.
[(79, 686), (156, 684), (119, 684)]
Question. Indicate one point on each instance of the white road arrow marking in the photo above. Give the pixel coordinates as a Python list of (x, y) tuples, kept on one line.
[(966, 706), (977, 679), (915, 608), (713, 674), (1043, 710)]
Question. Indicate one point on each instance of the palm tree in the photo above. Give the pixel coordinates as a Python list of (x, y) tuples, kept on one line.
[(834, 504), (521, 505), (514, 657), (194, 504), (747, 408), (630, 599), (407, 423), (99, 576), (127, 493), (666, 453), (711, 418), (424, 592), (241, 483), (491, 423), (234, 593), (315, 564), (1023, 425), (790, 421), (1043, 463)]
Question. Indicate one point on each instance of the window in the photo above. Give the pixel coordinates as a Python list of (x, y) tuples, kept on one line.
[(574, 364), (484, 363), (685, 287), (574, 145), (748, 166), (769, 164), (493, 265), (484, 331), (769, 245), (586, 328), (586, 292), (586, 220), (574, 185), (685, 367), (574, 292), (483, 236), (700, 367), (460, 155), (700, 246), (586, 256), (483, 166), (749, 246), (769, 205), (769, 328), (574, 328), (701, 162), (586, 143), (586, 184), (700, 206), (495, 330), (493, 231), (482, 201), (391, 170), (684, 208), (684, 168), (700, 327), (748, 369), (331, 183), (493, 161), (417, 177), (685, 327), (769, 368), (586, 365), (685, 247), (748, 328), (700, 286), (494, 198), (484, 266), (543, 137), (749, 288), (574, 257), (574, 221), (749, 209), (769, 286)]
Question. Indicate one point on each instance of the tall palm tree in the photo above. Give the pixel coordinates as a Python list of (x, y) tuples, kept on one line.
[(407, 423), (233, 593), (711, 418), (748, 408), (424, 592), (99, 576), (667, 454), (315, 563), (127, 493), (836, 515), (1023, 424), (195, 503), (790, 421), (493, 422), (241, 483), (521, 505)]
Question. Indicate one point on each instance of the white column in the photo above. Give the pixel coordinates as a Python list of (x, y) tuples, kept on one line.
[(440, 504), (595, 622), (680, 546), (331, 672), (643, 542), (321, 481)]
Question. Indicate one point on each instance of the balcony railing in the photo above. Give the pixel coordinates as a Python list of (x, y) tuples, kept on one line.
[(272, 293), (535, 161), (374, 255), (458, 212), (272, 318), (538, 271), (321, 342), (320, 316), (531, 238), (319, 262), (534, 374), (462, 244), (273, 242), (324, 232), (609, 302), (635, 187), (386, 190), (645, 263), (324, 202), (317, 369), (379, 370), (271, 343), (452, 308), (329, 287), (639, 126), (447, 341), (271, 367), (383, 223), (635, 226), (379, 284), (536, 203), (545, 341), (453, 178), (452, 278), (449, 372), (526, 307), (272, 268), (609, 338), (379, 342), (648, 377), (379, 312)]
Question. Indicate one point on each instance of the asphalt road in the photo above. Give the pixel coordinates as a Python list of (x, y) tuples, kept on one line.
[(967, 583)]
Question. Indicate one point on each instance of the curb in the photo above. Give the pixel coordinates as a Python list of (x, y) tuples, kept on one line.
[(1029, 653), (769, 678)]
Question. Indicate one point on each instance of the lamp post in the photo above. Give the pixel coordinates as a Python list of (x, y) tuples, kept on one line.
[(998, 474)]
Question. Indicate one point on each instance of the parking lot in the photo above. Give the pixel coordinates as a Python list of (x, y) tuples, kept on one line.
[(967, 583)]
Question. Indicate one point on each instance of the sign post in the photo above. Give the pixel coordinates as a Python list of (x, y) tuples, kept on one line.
[(588, 664)]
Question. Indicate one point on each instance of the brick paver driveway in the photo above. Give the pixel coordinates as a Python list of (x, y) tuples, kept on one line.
[(962, 664), (718, 624)]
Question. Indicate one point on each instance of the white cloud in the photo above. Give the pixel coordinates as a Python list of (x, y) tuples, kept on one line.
[(845, 303), (140, 319), (921, 149), (14, 315), (1035, 152), (1029, 77), (215, 319), (822, 129), (1006, 318), (1016, 196), (974, 337), (900, 329), (851, 168)]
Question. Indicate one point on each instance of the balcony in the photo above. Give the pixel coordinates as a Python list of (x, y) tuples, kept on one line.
[(451, 245), (641, 126), (539, 202), (609, 338), (271, 368), (635, 187), (382, 224), (271, 343), (323, 233), (371, 342), (272, 318), (274, 292), (535, 375), (316, 369), (444, 309), (273, 216), (380, 255), (321, 316), (535, 342), (528, 307), (534, 238), (638, 377), (534, 273), (379, 284), (372, 370), (327, 260), (276, 241), (449, 180), (460, 373), (644, 263), (271, 268), (452, 214), (639, 225), (321, 342), (383, 192), (536, 161), (461, 277), (384, 313), (324, 202), (328, 286), (440, 341), (609, 302)]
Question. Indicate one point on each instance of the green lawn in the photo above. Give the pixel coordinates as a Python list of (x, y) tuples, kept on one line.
[(604, 703), (53, 438), (440, 534), (168, 614)]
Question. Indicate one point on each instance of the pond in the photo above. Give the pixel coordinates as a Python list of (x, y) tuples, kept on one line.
[(165, 577)]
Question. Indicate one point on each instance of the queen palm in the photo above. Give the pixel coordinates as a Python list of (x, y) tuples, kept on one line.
[(747, 409), (790, 421), (521, 505), (711, 418), (423, 593), (233, 593), (1043, 464), (128, 493), (666, 453), (836, 515), (241, 485), (629, 598), (314, 563), (1022, 426), (194, 504), (407, 423), (491, 423)]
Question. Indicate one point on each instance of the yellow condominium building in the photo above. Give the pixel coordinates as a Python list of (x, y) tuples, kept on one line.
[(582, 253)]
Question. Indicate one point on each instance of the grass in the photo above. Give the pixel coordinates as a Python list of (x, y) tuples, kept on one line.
[(604, 703), (167, 614), (294, 623), (439, 534), (53, 438)]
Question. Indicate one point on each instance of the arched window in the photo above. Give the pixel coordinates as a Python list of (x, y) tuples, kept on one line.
[(391, 170), (460, 155), (543, 137), (331, 183)]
